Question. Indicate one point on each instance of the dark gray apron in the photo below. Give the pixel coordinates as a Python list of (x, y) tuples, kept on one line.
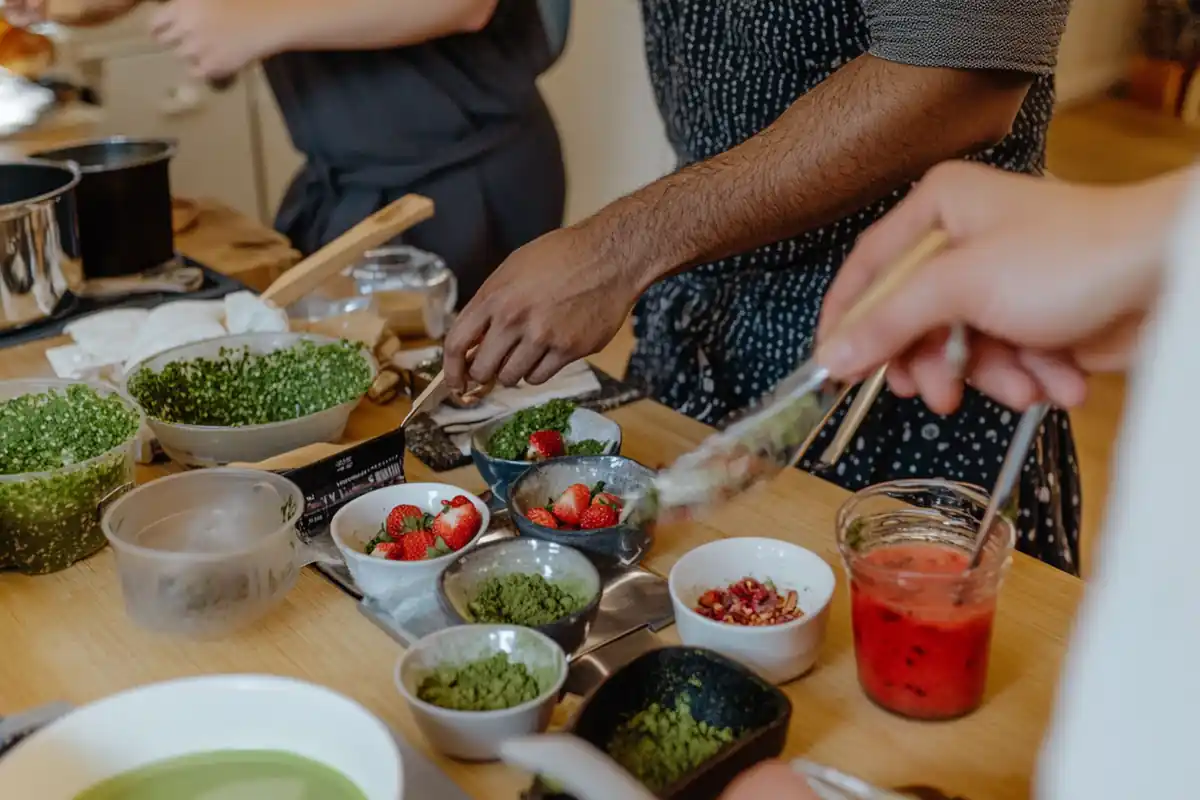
[(458, 119)]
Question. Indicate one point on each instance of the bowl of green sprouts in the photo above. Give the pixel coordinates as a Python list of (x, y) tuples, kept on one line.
[(249, 397), (506, 447), (66, 448)]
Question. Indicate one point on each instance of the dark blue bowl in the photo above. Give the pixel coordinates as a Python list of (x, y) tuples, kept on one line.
[(621, 545), (500, 473)]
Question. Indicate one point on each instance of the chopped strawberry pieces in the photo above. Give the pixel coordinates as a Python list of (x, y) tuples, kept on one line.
[(543, 517), (545, 444)]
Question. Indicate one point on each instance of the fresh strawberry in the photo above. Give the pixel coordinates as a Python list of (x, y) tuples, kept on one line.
[(457, 525), (404, 519), (420, 545), (389, 550), (570, 505), (607, 499), (544, 445), (543, 517), (460, 500), (599, 515)]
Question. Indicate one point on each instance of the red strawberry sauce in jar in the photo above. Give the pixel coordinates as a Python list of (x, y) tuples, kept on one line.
[(922, 623)]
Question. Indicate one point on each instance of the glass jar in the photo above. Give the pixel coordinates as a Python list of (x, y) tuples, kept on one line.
[(413, 290), (922, 620)]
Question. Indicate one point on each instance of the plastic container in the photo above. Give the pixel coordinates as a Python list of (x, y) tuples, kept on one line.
[(214, 445), (413, 290), (49, 520), (922, 621), (205, 553)]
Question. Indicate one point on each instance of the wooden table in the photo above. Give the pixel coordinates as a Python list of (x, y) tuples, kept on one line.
[(65, 636)]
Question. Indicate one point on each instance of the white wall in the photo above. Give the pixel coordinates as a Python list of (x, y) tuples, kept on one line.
[(600, 96)]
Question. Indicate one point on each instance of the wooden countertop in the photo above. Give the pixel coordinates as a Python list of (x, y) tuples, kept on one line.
[(65, 636)]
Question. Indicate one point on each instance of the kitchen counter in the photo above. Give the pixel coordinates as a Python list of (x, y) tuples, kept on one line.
[(65, 636)]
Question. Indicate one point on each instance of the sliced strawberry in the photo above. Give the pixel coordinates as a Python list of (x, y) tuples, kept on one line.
[(543, 517), (406, 518), (421, 545), (389, 550), (599, 515), (544, 445), (457, 525), (607, 499), (459, 500), (569, 507)]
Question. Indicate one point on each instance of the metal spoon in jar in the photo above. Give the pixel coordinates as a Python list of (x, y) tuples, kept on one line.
[(1010, 473)]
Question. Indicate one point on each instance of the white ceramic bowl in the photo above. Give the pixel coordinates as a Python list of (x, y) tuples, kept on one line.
[(779, 653), (476, 735), (358, 523), (194, 715)]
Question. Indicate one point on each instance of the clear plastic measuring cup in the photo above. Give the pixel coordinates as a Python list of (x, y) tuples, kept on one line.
[(204, 553)]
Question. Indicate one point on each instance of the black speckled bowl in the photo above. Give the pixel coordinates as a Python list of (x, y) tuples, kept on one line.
[(719, 691), (500, 473), (459, 582), (622, 545)]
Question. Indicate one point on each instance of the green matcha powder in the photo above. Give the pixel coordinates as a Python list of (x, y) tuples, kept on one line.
[(660, 745), (523, 599), (489, 684)]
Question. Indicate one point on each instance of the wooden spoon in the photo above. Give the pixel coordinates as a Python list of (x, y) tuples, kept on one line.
[(380, 227)]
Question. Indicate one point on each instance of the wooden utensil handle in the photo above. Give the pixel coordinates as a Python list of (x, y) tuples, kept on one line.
[(343, 251), (896, 274)]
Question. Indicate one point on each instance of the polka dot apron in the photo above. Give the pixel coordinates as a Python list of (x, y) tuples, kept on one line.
[(717, 337)]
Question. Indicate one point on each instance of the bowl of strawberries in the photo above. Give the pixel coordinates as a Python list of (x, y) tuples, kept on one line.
[(393, 536), (505, 447), (577, 501)]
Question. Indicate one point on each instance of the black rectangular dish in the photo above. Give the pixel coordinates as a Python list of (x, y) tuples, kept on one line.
[(719, 691)]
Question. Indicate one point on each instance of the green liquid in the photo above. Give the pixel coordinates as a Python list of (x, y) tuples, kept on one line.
[(229, 775)]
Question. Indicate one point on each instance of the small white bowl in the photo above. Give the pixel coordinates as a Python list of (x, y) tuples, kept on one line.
[(152, 723), (477, 735), (779, 653), (358, 523)]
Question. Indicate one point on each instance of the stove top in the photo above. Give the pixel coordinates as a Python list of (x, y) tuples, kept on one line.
[(215, 285)]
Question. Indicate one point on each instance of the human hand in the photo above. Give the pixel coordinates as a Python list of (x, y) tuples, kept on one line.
[(218, 37), (1052, 279), (773, 779), (555, 300)]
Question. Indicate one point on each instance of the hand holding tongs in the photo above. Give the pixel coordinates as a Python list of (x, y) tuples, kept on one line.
[(777, 433)]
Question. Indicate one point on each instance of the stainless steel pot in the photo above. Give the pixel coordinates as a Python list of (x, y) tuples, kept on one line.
[(37, 231)]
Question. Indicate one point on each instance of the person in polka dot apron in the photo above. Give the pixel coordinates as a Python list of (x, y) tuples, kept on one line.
[(796, 124)]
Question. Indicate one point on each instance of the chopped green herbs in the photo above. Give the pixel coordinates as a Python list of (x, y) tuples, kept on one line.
[(587, 447), (50, 521), (660, 745), (488, 684), (511, 440), (523, 599), (238, 388)]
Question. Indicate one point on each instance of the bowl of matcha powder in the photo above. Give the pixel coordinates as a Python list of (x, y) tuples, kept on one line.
[(66, 447), (471, 687), (250, 397), (550, 587)]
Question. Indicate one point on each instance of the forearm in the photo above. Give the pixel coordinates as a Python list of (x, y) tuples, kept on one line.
[(871, 127), (372, 24)]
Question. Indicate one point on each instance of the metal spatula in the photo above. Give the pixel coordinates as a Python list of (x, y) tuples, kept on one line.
[(774, 435)]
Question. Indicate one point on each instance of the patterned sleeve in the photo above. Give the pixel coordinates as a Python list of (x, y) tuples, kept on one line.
[(1018, 35)]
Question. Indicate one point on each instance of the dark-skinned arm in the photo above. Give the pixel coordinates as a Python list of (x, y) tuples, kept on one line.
[(873, 126)]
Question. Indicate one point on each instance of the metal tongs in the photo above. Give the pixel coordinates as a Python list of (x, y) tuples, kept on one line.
[(777, 433)]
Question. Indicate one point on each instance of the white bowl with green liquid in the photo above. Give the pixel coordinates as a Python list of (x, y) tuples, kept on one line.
[(236, 737)]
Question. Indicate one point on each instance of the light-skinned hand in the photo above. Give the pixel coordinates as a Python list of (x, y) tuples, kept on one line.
[(23, 13), (772, 779), (218, 37), (1053, 279)]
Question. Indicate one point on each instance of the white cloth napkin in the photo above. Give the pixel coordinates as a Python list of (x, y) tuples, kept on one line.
[(575, 380), (117, 339)]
